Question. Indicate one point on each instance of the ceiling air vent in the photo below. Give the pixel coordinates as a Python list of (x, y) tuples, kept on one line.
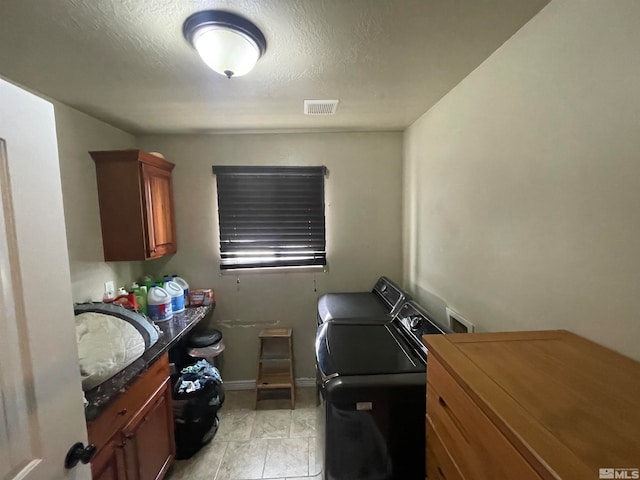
[(320, 107)]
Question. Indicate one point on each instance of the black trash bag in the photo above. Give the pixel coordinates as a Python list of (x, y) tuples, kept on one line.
[(191, 407), (196, 411), (191, 437)]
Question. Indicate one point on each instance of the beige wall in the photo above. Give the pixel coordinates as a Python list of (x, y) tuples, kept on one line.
[(78, 134), (522, 186), (363, 211)]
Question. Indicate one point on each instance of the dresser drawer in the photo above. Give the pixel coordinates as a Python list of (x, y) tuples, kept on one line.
[(439, 465), (479, 449), (124, 407)]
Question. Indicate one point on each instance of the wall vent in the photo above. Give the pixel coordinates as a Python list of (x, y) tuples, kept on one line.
[(320, 107), (459, 324)]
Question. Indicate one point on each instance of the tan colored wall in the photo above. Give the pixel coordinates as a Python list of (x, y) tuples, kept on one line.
[(363, 210), (522, 185), (78, 134)]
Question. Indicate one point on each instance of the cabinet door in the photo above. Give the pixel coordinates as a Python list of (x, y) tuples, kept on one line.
[(159, 213), (109, 463), (150, 445)]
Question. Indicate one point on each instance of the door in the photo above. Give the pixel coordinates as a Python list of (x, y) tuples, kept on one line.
[(41, 411), (160, 218)]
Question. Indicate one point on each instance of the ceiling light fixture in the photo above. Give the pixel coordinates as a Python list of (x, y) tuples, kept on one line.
[(228, 43)]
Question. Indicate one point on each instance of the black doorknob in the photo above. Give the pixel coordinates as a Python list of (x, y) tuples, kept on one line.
[(79, 453)]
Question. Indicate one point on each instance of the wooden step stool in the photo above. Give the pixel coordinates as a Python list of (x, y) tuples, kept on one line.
[(275, 362)]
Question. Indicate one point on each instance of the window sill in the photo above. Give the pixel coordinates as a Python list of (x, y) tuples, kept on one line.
[(267, 270)]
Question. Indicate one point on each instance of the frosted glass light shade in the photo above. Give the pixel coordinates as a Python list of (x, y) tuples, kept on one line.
[(228, 52), (228, 43)]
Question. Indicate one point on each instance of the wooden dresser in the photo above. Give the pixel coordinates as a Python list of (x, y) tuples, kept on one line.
[(530, 406)]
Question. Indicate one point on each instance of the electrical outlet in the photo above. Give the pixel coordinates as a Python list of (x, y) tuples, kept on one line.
[(109, 286), (459, 324)]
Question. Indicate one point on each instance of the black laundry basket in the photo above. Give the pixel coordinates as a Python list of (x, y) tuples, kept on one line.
[(196, 412), (196, 417)]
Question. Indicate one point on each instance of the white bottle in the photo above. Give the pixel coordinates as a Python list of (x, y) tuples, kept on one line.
[(177, 296), (159, 304), (185, 286)]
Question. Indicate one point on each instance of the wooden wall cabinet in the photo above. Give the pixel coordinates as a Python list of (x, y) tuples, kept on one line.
[(134, 435), (529, 406), (135, 193)]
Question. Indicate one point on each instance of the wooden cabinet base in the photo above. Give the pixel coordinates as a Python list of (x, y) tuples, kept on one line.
[(142, 447), (150, 447), (440, 465), (108, 464), (529, 405)]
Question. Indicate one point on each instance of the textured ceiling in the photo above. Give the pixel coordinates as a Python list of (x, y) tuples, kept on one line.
[(126, 62)]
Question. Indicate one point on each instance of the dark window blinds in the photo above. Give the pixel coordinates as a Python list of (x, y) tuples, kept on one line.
[(271, 216)]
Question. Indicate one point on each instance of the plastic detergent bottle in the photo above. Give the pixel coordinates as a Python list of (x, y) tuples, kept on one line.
[(177, 296), (148, 282), (185, 287), (109, 295), (141, 297), (159, 304)]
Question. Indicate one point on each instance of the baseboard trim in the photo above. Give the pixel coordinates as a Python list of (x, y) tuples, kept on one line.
[(251, 384), (303, 382)]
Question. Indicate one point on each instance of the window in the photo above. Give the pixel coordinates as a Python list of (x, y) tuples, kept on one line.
[(271, 216)]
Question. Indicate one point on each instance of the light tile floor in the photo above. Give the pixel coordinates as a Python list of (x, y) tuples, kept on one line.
[(271, 442)]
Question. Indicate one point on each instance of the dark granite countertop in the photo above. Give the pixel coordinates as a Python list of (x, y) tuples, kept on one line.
[(172, 331)]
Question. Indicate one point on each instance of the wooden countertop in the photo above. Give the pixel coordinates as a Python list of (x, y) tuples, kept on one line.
[(570, 406)]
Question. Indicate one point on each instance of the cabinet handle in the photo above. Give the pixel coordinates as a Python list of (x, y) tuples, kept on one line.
[(441, 473), (122, 412), (128, 435), (456, 422), (122, 444)]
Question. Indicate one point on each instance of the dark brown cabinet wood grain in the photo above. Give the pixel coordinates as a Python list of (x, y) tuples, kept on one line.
[(109, 462), (135, 194), (134, 435), (149, 447)]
